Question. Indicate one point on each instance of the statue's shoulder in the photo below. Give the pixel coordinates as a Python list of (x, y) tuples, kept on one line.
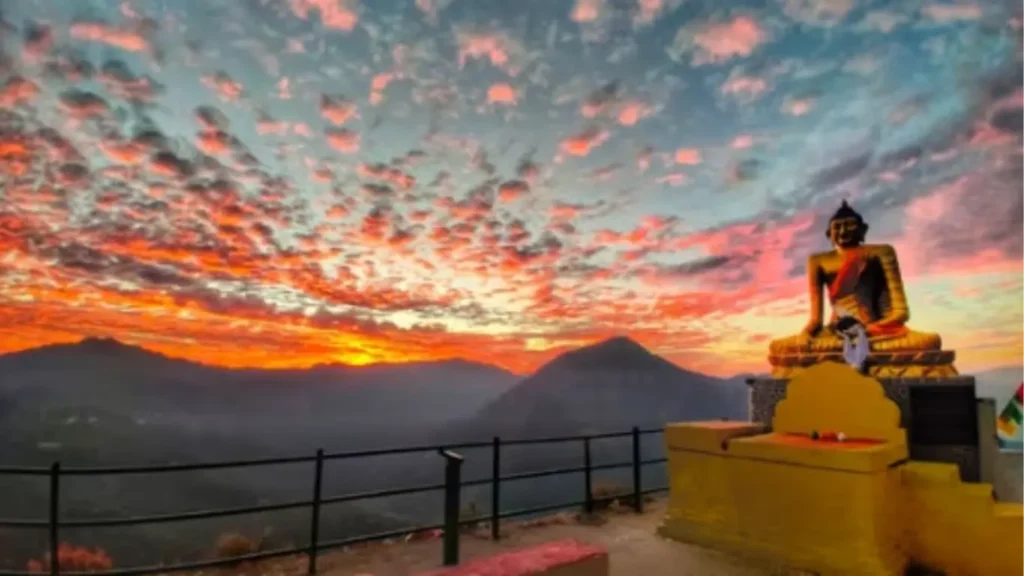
[(883, 250), (819, 256)]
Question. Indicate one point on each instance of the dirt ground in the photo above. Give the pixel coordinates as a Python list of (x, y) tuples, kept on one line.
[(634, 549)]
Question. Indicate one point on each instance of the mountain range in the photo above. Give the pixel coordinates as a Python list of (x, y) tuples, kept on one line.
[(102, 402)]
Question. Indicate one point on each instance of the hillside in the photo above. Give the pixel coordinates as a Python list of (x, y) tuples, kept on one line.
[(101, 402), (612, 385), (607, 387), (51, 389)]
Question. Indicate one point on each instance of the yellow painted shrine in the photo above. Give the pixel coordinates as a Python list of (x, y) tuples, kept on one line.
[(853, 507)]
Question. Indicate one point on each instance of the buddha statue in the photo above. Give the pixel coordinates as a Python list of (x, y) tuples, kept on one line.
[(863, 283)]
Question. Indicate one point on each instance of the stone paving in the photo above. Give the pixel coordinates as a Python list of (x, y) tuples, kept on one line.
[(634, 548)]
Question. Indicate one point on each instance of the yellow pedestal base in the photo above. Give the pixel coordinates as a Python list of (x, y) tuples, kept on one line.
[(850, 508), (763, 498)]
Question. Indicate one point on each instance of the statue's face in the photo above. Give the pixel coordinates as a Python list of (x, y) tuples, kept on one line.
[(845, 232)]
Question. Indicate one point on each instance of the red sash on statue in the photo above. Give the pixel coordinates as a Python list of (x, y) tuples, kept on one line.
[(848, 276), (845, 284)]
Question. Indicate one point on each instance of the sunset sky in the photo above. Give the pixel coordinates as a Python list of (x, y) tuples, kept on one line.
[(290, 182)]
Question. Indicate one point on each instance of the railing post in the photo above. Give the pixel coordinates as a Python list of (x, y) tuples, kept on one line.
[(638, 493), (588, 502), (314, 526), (54, 519), (452, 490), (495, 488)]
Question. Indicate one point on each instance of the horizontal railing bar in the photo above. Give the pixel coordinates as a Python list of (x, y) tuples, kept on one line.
[(654, 490), (653, 461), (196, 515), (196, 466), (22, 523), (611, 465), (605, 435), (542, 473), (160, 468), (480, 482), (539, 509), (556, 439), (380, 494), (377, 536), (183, 567), (24, 471), (543, 440), (241, 510), (404, 450)]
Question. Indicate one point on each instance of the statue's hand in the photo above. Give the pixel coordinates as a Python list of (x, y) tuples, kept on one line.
[(812, 330)]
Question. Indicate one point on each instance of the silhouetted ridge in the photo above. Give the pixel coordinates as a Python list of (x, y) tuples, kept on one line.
[(105, 346), (619, 353), (611, 385)]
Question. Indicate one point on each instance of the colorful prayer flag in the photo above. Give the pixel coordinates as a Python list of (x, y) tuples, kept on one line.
[(1010, 418)]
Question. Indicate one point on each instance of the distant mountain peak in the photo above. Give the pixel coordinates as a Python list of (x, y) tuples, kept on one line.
[(108, 346), (620, 352), (620, 344), (99, 342)]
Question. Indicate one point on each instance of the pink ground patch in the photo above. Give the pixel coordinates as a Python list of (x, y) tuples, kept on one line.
[(533, 560)]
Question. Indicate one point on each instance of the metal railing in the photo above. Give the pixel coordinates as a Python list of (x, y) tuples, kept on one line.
[(451, 486)]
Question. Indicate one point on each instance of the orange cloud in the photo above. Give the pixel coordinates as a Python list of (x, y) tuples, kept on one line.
[(744, 86), (109, 35), (944, 13), (742, 142), (334, 14), (586, 10), (336, 110), (343, 140), (387, 174), (225, 86), (512, 190), (674, 179), (501, 93), (632, 112), (797, 106), (582, 143), (122, 152), (267, 125), (718, 42), (214, 142), (496, 47), (377, 86), (688, 156), (648, 11), (17, 90)]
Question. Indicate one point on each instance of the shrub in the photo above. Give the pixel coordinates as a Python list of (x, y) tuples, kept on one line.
[(233, 545), (607, 495), (466, 513), (74, 559)]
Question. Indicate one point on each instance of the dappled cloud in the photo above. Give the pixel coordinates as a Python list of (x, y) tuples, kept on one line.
[(306, 181)]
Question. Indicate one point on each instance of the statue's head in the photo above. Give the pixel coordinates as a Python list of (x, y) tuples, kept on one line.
[(846, 228)]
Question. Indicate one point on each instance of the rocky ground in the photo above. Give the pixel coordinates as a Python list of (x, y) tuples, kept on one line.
[(634, 547)]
